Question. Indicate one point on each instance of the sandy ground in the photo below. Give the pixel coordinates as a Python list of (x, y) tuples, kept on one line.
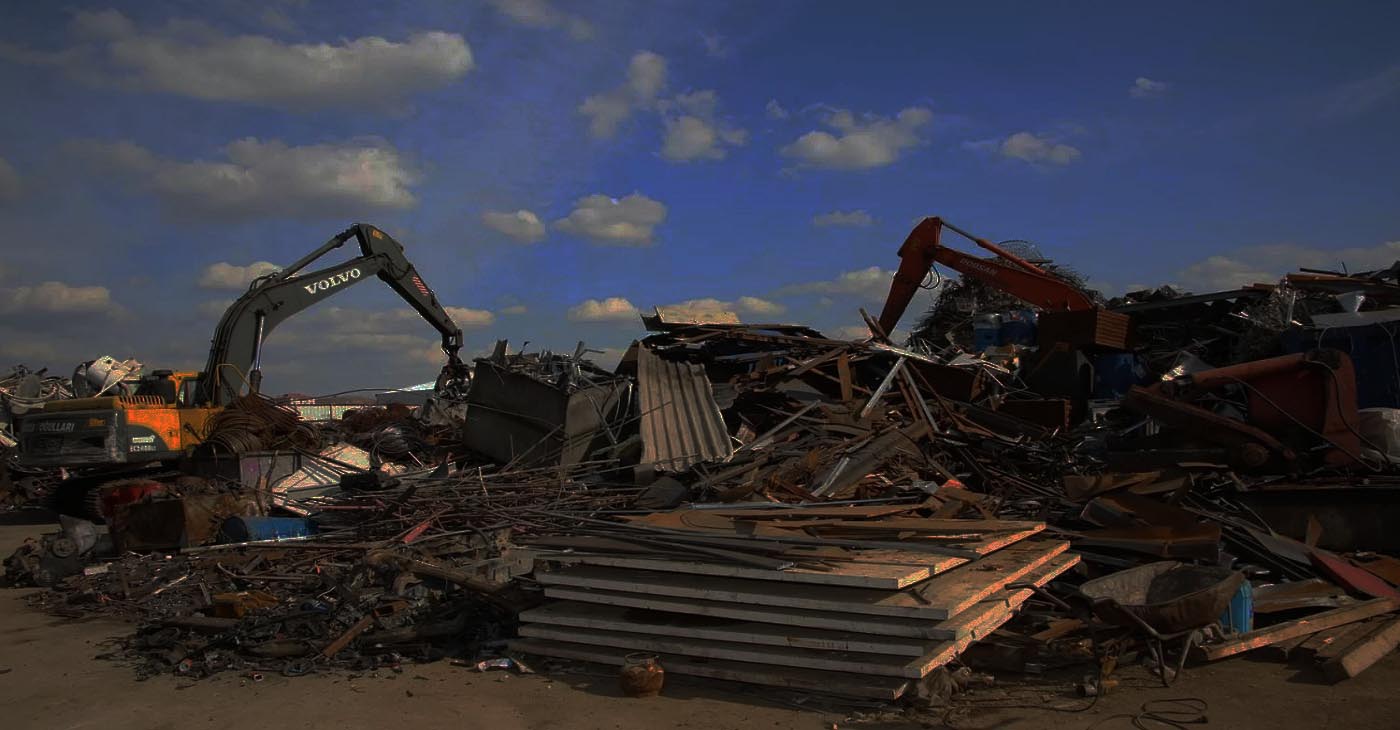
[(50, 678)]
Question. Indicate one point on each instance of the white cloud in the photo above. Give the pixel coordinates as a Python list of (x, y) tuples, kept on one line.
[(755, 305), (859, 143), (1268, 263), (399, 331), (850, 332), (1030, 148), (522, 225), (695, 132), (223, 275), (646, 77), (872, 284), (514, 309), (543, 14), (1355, 98), (55, 296), (611, 309), (268, 178), (715, 46), (189, 58), (214, 308), (469, 319), (9, 181), (714, 310), (856, 218), (1145, 88), (774, 110), (628, 221)]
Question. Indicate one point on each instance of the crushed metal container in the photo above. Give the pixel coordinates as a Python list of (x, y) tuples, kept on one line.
[(513, 417)]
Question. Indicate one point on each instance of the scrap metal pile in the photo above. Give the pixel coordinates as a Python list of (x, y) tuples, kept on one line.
[(1206, 474)]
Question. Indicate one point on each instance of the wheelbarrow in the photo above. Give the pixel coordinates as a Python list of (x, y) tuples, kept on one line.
[(1161, 602)]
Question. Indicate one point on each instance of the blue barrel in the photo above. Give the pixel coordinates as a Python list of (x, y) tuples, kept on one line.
[(986, 332), (1114, 373), (1017, 328), (251, 529), (1239, 617)]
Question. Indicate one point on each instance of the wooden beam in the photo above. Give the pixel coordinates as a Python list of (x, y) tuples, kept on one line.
[(1366, 651), (959, 626), (1293, 629)]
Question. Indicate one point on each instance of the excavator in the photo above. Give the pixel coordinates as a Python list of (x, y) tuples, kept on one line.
[(1008, 272), (167, 416)]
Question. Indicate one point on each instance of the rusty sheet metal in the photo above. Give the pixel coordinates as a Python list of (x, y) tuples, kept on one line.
[(681, 424)]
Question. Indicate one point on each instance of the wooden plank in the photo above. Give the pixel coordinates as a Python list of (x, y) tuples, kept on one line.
[(1058, 628), (843, 370), (1285, 650), (936, 655), (978, 537), (935, 564), (860, 575), (806, 512), (1366, 651), (1293, 629), (936, 598), (1342, 637), (690, 626), (833, 661), (880, 688), (952, 628)]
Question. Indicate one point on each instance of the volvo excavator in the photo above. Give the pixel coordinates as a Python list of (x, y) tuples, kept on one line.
[(168, 414)]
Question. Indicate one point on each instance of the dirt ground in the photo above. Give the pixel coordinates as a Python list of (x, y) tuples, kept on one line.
[(50, 678)]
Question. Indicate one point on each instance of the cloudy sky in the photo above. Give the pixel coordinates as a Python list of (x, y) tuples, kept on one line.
[(554, 167)]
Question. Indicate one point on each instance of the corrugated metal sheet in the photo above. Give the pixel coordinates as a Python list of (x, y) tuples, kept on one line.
[(681, 423)]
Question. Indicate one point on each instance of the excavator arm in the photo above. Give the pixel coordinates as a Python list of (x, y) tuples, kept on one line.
[(1017, 277), (236, 350)]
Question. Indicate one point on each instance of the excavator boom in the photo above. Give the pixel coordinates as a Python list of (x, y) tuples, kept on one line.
[(236, 350), (1017, 277)]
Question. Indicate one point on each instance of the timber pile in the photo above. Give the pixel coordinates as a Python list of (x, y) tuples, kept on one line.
[(851, 601)]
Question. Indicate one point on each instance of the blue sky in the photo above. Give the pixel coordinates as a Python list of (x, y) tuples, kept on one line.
[(553, 167)]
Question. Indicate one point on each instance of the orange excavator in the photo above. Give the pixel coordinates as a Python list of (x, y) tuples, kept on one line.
[(1007, 272)]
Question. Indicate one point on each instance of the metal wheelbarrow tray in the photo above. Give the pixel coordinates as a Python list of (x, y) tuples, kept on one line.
[(1163, 601)]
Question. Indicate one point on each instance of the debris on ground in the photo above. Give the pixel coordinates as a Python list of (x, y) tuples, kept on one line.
[(1036, 480)]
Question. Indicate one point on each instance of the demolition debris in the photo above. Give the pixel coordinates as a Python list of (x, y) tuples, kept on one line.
[(1036, 479)]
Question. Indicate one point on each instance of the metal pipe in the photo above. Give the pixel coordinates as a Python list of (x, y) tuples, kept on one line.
[(255, 375)]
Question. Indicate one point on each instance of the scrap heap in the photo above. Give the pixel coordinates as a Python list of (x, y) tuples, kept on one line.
[(764, 504)]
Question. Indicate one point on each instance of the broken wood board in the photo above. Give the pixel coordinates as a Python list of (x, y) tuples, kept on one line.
[(809, 680), (804, 512), (742, 617), (939, 597), (1364, 652), (1286, 650), (979, 536), (1293, 629), (1340, 639), (861, 575), (765, 631)]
